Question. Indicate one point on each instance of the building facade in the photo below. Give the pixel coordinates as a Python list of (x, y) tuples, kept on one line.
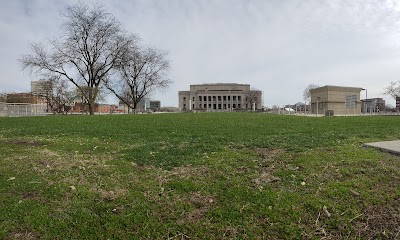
[(41, 87), (144, 104), (155, 105), (373, 105), (336, 100), (220, 97)]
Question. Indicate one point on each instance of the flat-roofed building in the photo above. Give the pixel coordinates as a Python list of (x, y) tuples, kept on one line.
[(41, 87), (155, 105), (220, 97), (336, 100), (373, 105)]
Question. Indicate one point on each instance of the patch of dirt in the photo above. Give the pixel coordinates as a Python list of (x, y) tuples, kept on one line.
[(380, 222), (267, 165), (111, 195), (200, 206), (199, 200), (264, 179), (49, 153), (25, 235), (189, 171), (30, 195), (26, 143), (269, 154)]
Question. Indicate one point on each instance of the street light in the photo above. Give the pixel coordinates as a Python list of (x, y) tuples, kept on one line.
[(366, 97)]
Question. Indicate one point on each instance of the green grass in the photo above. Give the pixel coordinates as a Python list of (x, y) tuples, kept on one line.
[(198, 176)]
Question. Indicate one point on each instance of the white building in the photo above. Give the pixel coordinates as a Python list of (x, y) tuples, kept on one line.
[(220, 97)]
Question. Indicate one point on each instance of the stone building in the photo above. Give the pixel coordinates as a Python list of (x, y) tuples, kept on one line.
[(336, 100), (220, 97)]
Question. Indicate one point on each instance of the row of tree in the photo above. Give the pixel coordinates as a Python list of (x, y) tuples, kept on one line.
[(94, 53)]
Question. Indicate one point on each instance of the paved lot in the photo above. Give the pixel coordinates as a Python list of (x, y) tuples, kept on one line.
[(388, 146)]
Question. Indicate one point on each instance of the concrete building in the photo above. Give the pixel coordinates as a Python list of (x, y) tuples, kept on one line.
[(220, 97), (336, 100), (155, 105), (373, 105), (41, 87), (143, 105)]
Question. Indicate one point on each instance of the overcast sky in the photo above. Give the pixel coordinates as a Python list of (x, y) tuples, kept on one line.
[(277, 46)]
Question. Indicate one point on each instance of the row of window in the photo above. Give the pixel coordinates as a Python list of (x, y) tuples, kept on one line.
[(218, 106), (214, 98)]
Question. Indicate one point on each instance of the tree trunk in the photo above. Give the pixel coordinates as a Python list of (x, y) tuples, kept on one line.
[(134, 107), (91, 106)]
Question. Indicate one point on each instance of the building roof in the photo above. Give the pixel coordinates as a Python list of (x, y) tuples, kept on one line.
[(216, 84), (336, 88)]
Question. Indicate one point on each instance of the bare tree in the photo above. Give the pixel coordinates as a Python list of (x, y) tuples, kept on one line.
[(145, 72), (393, 89), (91, 46), (57, 94), (307, 94), (3, 97), (81, 95), (252, 98)]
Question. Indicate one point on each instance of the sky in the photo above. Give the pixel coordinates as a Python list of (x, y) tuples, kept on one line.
[(276, 46)]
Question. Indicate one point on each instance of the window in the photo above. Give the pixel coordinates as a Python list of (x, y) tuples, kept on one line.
[(214, 106), (219, 98), (234, 98), (224, 106), (193, 98), (205, 105), (204, 98), (184, 99), (229, 98), (209, 98), (209, 105), (229, 106), (200, 106), (238, 105), (200, 98), (239, 98), (214, 98), (193, 106), (234, 105), (224, 98), (219, 106)]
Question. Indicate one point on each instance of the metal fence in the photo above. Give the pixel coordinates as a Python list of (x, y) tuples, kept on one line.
[(22, 109), (332, 112)]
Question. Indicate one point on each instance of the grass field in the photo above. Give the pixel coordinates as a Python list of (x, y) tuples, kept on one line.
[(198, 176)]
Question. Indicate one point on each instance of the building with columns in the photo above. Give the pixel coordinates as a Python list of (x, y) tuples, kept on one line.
[(220, 97)]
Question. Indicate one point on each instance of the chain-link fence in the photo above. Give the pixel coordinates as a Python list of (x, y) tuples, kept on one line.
[(22, 109)]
